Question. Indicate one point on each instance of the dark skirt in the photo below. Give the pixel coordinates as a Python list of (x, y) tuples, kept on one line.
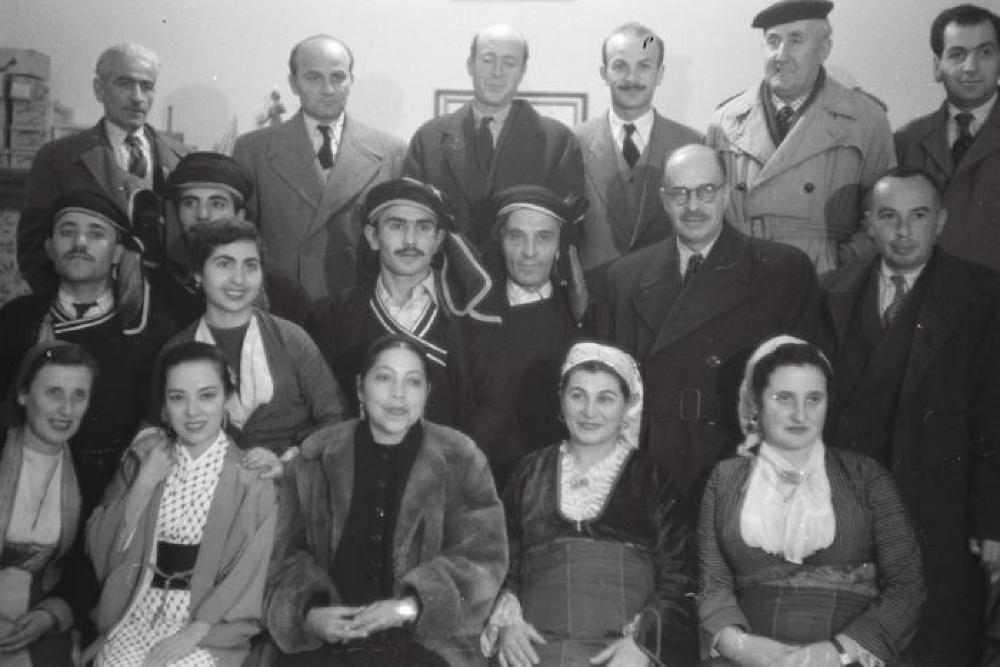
[(399, 651)]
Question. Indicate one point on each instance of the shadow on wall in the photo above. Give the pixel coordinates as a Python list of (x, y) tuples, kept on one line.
[(203, 114), (679, 84), (377, 100)]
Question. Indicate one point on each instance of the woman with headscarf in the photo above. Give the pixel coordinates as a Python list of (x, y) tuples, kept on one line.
[(807, 554), (40, 503), (601, 558)]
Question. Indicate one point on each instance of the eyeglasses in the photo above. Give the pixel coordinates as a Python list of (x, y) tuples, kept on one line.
[(706, 193)]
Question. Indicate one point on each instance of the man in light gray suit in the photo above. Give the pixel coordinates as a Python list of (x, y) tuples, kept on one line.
[(312, 172), (624, 150)]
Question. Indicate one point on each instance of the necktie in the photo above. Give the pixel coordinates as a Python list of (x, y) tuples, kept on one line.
[(629, 150), (898, 300), (325, 153), (694, 263), (137, 165), (784, 118), (82, 308), (965, 138), (484, 144)]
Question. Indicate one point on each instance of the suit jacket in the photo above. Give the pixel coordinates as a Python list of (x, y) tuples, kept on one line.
[(449, 546), (806, 192), (971, 189), (83, 161), (945, 433), (312, 229), (691, 342), (606, 235), (532, 149)]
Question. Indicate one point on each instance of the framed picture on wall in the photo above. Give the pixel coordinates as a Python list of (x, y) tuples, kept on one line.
[(568, 108)]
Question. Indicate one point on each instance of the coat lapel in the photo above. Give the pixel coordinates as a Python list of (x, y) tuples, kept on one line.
[(657, 289), (840, 301), (338, 463), (458, 153), (602, 170), (287, 156), (651, 173), (720, 286), (740, 128), (987, 141), (224, 503), (935, 141), (99, 161)]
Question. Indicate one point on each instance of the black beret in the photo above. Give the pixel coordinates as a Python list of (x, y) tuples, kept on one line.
[(787, 11), (210, 170), (98, 205), (407, 190), (536, 197)]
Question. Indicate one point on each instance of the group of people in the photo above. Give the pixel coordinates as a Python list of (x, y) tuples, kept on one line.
[(515, 393)]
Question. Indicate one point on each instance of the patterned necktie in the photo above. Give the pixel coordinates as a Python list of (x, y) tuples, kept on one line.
[(694, 263), (137, 165), (325, 153), (784, 118), (484, 144), (965, 138), (82, 308), (898, 300), (629, 150)]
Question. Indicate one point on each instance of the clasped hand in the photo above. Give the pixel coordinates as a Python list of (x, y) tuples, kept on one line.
[(514, 649), (25, 630), (339, 624)]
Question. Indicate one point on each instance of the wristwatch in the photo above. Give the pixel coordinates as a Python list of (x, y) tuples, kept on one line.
[(407, 609), (842, 655)]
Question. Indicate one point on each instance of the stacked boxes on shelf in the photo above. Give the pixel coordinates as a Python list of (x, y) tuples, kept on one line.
[(27, 113)]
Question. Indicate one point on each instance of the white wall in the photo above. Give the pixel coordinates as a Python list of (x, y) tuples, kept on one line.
[(222, 58)]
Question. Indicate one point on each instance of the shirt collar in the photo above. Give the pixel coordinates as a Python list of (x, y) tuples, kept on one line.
[(105, 303), (499, 118), (796, 104), (426, 285), (910, 277), (518, 296), (643, 124), (979, 114), (312, 124), (116, 135), (685, 252)]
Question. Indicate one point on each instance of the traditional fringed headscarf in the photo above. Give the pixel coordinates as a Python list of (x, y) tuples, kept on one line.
[(625, 367)]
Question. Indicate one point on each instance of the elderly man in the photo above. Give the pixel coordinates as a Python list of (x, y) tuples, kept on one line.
[(801, 149), (624, 150), (959, 144), (494, 141), (692, 307), (407, 226), (119, 156), (915, 342), (311, 173), (205, 187)]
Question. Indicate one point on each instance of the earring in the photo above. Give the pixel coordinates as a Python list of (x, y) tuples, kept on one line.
[(753, 425), (115, 272)]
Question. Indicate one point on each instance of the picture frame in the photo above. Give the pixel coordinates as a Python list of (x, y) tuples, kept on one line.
[(568, 108)]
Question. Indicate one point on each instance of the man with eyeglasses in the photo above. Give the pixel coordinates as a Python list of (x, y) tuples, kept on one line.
[(692, 307)]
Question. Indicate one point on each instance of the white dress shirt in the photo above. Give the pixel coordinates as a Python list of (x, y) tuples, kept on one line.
[(518, 296), (979, 115), (643, 128), (316, 137), (123, 152)]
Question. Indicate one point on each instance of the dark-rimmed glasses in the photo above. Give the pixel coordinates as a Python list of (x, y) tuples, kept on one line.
[(706, 193)]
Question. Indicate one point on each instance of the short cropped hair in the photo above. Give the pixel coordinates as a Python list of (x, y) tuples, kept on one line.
[(909, 172), (293, 67), (205, 237), (637, 30), (137, 51), (965, 15)]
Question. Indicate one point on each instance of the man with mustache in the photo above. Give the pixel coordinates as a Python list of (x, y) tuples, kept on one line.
[(117, 157), (494, 141), (959, 144), (99, 304), (692, 307), (430, 288), (914, 338), (624, 150), (800, 148)]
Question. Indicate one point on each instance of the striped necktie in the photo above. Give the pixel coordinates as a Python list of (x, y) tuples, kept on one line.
[(898, 300)]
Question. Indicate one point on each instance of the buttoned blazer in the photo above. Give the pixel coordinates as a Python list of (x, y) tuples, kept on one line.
[(312, 229), (83, 161), (971, 189), (606, 235)]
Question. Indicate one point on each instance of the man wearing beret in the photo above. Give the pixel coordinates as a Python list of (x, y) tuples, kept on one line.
[(959, 144), (430, 289), (311, 173), (800, 149), (205, 187), (120, 155), (624, 150), (494, 141)]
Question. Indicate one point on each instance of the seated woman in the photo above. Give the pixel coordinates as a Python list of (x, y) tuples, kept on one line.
[(391, 542), (40, 503), (601, 557), (285, 390), (182, 541), (807, 554)]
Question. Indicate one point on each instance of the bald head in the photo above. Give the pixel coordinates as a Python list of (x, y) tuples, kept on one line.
[(497, 62), (695, 194), (694, 157), (319, 43), (502, 32)]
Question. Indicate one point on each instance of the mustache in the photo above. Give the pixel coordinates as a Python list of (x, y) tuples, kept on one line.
[(72, 254), (693, 217), (409, 252), (631, 86)]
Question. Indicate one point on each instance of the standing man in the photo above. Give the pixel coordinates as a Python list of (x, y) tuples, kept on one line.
[(959, 144), (118, 156), (311, 173), (801, 149), (915, 340), (494, 141), (624, 150), (692, 307)]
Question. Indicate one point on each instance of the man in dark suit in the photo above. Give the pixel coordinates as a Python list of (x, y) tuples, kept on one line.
[(914, 336), (691, 309), (624, 150), (119, 156), (495, 141), (311, 173), (959, 144)]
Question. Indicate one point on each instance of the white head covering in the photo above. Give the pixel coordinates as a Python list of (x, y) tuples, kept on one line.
[(622, 364)]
